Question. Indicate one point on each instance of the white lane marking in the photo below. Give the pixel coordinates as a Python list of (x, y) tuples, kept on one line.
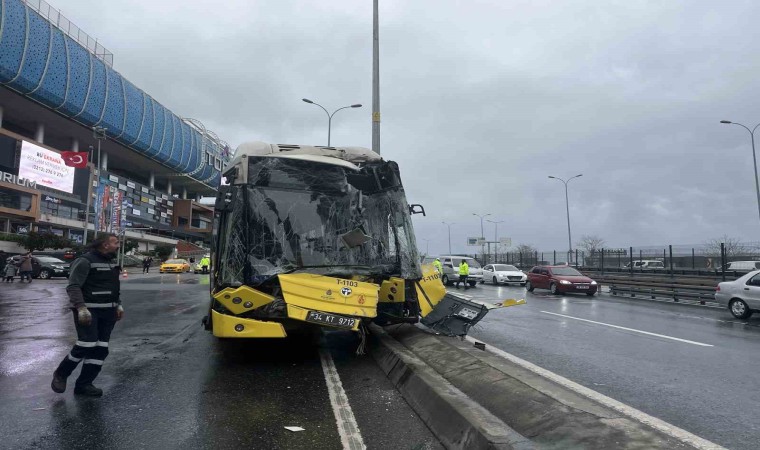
[(642, 417), (631, 329), (348, 429)]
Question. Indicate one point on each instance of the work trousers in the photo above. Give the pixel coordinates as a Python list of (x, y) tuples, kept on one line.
[(91, 347), (462, 279)]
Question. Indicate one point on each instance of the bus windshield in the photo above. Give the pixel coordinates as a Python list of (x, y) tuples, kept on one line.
[(323, 218)]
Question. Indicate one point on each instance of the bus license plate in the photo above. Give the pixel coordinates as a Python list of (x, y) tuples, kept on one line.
[(330, 319), (467, 313)]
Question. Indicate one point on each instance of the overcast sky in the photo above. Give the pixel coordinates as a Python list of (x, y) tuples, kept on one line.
[(480, 102)]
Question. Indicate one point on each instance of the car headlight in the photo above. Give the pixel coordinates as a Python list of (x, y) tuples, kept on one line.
[(564, 282), (593, 282)]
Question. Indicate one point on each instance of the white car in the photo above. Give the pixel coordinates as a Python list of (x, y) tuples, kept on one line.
[(741, 296), (503, 273)]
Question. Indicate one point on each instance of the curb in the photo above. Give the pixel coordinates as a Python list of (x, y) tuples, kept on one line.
[(456, 420)]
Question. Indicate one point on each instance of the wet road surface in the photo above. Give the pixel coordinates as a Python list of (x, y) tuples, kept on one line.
[(170, 384), (694, 367)]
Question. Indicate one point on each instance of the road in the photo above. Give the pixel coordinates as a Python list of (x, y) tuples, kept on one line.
[(694, 367), (169, 384)]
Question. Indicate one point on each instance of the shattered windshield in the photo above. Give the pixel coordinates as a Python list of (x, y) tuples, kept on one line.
[(302, 215)]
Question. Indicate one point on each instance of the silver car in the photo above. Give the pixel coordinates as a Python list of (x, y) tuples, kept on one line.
[(741, 296)]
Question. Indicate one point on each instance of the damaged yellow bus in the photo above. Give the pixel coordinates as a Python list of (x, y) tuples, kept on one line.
[(308, 236)]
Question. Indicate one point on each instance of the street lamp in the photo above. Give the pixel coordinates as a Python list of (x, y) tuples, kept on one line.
[(449, 225), (427, 247), (567, 207), (329, 116), (495, 239), (754, 159), (482, 233)]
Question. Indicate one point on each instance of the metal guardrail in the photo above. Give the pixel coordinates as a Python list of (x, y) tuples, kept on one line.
[(55, 17), (654, 289)]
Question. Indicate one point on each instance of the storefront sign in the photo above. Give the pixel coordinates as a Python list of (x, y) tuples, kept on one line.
[(9, 178), (50, 199)]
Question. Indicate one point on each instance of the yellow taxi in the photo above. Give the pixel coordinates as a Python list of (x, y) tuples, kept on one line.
[(174, 266)]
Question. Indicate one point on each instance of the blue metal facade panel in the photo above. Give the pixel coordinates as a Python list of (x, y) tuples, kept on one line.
[(39, 61), (134, 112), (36, 55), (96, 96), (146, 133), (192, 162), (168, 144), (79, 78), (52, 91), (177, 147), (187, 146), (13, 39), (113, 115), (158, 129)]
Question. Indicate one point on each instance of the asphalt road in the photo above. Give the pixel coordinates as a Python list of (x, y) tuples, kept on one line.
[(697, 368), (169, 384)]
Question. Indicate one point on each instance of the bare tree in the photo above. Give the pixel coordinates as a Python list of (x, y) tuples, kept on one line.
[(733, 246), (526, 249), (591, 244)]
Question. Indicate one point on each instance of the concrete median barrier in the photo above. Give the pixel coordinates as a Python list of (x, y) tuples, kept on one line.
[(472, 398), (456, 420)]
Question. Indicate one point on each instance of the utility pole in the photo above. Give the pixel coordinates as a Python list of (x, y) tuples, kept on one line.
[(89, 196), (99, 133), (482, 234), (567, 208), (449, 225), (495, 239), (375, 80)]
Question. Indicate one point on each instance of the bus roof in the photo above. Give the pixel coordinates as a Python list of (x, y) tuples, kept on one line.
[(355, 155)]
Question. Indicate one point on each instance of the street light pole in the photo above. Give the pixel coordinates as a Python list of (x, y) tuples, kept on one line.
[(330, 116), (495, 239), (449, 225), (99, 133), (754, 159), (482, 233), (567, 208)]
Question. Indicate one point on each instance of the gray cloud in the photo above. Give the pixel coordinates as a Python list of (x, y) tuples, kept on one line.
[(481, 101)]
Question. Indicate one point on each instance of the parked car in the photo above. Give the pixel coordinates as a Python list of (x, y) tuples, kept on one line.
[(741, 296), (560, 280), (451, 270), (742, 266), (644, 264), (45, 267), (504, 273), (174, 266)]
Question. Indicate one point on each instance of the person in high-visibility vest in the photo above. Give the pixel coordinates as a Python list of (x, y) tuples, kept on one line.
[(438, 266), (205, 263), (464, 270)]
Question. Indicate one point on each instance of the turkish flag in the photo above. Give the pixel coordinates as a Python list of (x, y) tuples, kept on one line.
[(75, 159)]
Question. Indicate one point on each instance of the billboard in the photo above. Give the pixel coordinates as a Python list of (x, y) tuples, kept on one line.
[(46, 167)]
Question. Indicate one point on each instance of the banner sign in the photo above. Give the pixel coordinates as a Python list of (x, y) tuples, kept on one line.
[(46, 167)]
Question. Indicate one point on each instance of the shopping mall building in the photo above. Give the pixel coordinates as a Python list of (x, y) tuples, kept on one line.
[(58, 85)]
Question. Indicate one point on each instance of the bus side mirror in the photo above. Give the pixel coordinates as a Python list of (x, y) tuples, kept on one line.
[(416, 209), (225, 198)]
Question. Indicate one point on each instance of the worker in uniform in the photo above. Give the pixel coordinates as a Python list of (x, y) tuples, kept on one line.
[(205, 263), (93, 291), (464, 271), (438, 267)]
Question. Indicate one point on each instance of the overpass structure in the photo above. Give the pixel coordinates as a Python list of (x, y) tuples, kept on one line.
[(57, 84)]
